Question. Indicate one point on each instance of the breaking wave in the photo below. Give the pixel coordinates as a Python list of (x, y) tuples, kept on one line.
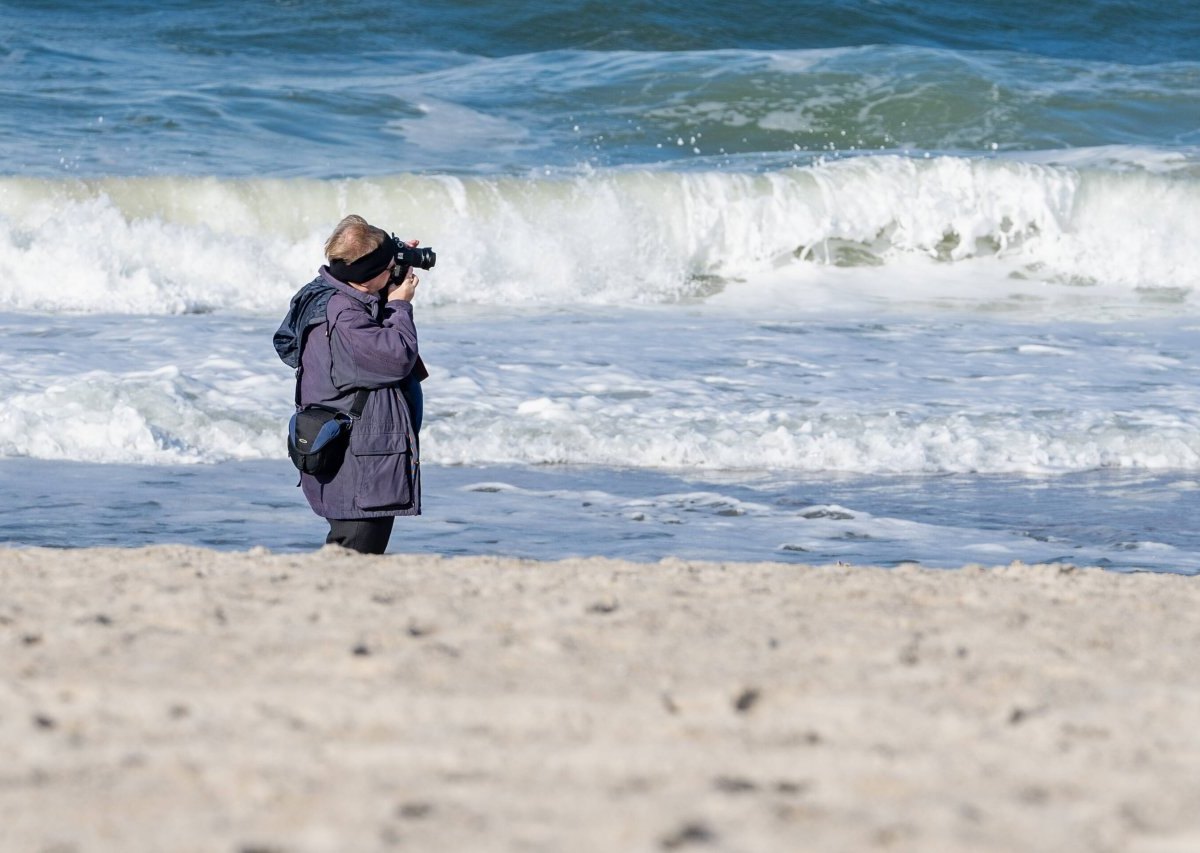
[(198, 245)]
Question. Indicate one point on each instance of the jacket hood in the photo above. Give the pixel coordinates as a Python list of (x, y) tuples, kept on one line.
[(307, 309)]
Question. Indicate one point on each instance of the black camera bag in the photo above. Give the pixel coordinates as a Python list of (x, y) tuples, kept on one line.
[(318, 435)]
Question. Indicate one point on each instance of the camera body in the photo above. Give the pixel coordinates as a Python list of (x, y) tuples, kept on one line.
[(411, 256), (408, 257)]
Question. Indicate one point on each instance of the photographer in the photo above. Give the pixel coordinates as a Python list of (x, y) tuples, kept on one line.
[(350, 333)]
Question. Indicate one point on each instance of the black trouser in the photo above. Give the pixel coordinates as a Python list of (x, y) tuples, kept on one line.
[(366, 535)]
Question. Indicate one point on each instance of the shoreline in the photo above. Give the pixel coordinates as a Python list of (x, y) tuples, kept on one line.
[(1118, 520), (178, 698)]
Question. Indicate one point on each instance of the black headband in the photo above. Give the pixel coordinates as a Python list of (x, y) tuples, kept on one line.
[(367, 267)]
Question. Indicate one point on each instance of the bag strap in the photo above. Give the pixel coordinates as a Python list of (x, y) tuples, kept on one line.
[(360, 403), (360, 398)]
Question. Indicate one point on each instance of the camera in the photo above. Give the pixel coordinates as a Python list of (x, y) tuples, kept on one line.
[(411, 256)]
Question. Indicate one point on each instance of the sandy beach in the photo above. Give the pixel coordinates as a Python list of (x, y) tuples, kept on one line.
[(178, 699)]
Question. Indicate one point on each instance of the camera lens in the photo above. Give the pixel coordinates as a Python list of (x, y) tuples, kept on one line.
[(411, 256)]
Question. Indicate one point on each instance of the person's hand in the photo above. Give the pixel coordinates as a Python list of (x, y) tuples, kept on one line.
[(406, 288)]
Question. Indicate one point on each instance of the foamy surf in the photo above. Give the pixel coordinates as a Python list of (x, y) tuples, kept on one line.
[(183, 245), (655, 390)]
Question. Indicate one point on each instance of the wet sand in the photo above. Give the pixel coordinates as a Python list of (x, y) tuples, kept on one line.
[(177, 699)]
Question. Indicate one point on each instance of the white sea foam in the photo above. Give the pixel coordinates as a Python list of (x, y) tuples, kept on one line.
[(769, 366), (149, 417), (586, 431), (651, 389), (174, 245), (159, 418)]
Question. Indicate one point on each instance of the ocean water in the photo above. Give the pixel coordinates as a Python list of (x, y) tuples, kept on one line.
[(881, 282)]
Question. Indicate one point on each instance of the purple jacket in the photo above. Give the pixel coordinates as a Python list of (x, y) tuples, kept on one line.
[(341, 350)]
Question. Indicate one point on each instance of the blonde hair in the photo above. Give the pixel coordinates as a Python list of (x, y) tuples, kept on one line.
[(353, 238)]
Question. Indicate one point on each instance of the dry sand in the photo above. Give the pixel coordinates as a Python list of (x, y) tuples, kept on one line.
[(177, 699)]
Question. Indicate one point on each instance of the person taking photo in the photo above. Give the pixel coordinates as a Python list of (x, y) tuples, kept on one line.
[(350, 335)]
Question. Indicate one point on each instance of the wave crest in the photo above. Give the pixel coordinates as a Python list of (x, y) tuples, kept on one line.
[(178, 245)]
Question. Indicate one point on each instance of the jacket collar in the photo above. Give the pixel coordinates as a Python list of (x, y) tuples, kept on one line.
[(368, 299)]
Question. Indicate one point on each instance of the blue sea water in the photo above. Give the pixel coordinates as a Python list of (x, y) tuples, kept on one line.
[(871, 281)]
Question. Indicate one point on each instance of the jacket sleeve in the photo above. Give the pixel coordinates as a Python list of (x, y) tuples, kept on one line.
[(368, 353)]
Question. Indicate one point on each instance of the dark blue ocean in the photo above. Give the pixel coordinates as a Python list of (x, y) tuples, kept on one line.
[(874, 281), (286, 89)]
